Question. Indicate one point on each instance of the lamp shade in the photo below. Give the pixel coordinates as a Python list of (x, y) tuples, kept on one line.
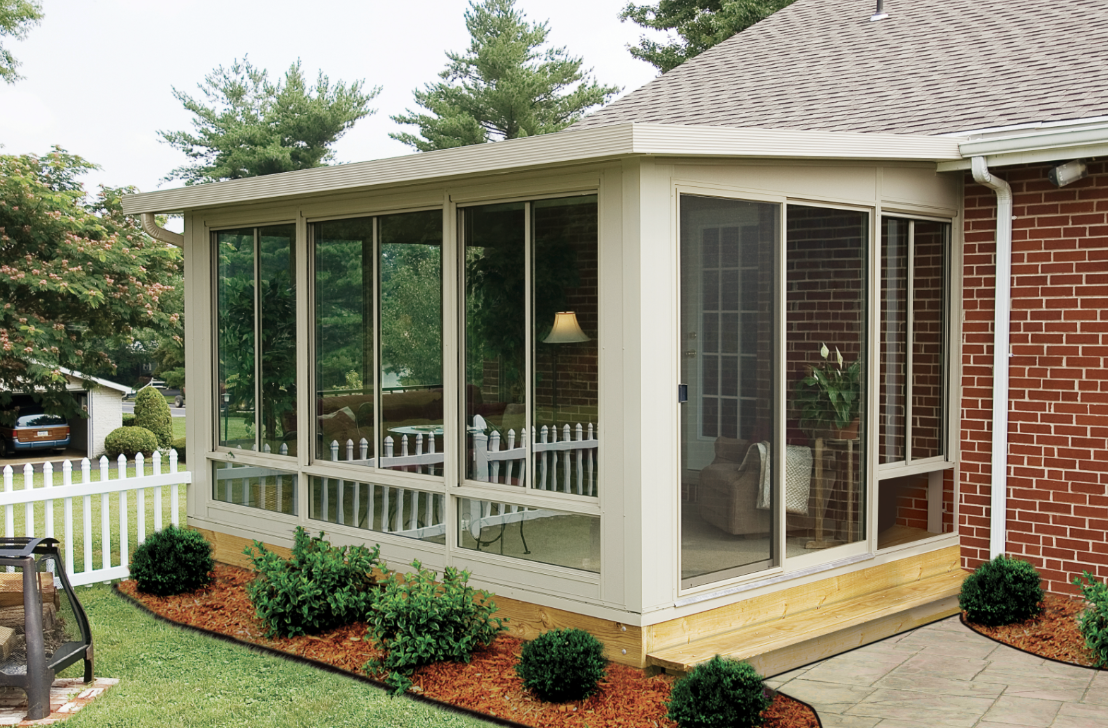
[(566, 330)]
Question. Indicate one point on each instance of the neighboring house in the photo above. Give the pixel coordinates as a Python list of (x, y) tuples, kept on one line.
[(572, 364), (103, 401)]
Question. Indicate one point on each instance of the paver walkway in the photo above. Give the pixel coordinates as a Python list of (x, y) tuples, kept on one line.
[(945, 674)]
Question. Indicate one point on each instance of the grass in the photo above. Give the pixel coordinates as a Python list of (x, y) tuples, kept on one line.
[(173, 677)]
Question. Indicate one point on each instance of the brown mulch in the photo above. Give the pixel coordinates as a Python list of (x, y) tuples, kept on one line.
[(1053, 634), (488, 684)]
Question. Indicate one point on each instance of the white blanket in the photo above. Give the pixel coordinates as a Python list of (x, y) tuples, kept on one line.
[(798, 478)]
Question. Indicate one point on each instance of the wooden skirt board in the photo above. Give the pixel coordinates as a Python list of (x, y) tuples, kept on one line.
[(801, 607)]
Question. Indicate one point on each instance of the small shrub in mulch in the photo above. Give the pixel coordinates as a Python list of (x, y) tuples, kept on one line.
[(720, 693), (1001, 591), (1093, 622), (562, 664), (417, 621), (172, 561), (319, 588)]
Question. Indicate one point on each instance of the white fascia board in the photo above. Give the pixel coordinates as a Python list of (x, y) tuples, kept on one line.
[(1046, 145), (568, 147)]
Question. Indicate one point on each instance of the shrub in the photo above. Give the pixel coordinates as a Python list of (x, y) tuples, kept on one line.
[(172, 561), (562, 664), (129, 441), (1093, 622), (321, 587), (720, 693), (128, 420), (415, 621), (1001, 591), (179, 446), (152, 412)]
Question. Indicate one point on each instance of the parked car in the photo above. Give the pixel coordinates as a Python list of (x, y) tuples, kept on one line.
[(34, 431)]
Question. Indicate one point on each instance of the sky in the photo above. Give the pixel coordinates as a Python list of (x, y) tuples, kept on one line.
[(99, 74)]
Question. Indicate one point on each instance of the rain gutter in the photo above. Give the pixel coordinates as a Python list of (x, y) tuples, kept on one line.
[(150, 225)]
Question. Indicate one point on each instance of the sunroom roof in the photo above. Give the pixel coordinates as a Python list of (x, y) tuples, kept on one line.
[(551, 150)]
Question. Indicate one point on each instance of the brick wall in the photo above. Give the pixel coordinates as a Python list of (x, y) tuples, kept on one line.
[(1058, 411)]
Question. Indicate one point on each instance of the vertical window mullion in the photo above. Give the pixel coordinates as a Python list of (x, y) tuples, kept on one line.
[(375, 345), (257, 342), (528, 434), (909, 343)]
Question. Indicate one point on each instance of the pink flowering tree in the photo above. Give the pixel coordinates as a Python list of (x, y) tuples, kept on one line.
[(74, 273)]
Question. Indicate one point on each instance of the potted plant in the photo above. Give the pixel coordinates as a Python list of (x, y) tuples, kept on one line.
[(827, 401)]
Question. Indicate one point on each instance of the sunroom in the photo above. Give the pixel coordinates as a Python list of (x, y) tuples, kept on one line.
[(688, 388)]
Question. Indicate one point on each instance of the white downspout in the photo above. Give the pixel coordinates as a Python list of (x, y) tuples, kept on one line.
[(150, 225), (998, 522)]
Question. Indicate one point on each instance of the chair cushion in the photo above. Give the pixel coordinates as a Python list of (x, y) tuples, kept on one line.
[(731, 449)]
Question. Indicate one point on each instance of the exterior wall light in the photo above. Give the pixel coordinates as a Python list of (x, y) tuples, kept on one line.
[(1067, 173)]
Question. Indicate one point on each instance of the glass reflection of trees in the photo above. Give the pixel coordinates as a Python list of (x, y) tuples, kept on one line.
[(256, 271)]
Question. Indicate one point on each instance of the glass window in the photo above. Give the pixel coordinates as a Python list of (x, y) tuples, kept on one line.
[(728, 250), (378, 324), (256, 487), (539, 256), (533, 534), (913, 340), (825, 373), (256, 301), (915, 507), (385, 509)]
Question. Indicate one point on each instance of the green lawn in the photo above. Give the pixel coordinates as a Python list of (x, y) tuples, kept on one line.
[(173, 677)]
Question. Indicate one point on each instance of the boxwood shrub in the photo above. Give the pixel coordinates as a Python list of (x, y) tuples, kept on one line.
[(172, 561), (562, 664), (129, 441), (1001, 591), (720, 693)]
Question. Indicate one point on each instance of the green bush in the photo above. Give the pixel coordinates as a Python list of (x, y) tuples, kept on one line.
[(321, 587), (129, 441), (128, 420), (179, 446), (1001, 591), (152, 412), (720, 693), (415, 621), (1093, 622), (172, 561), (562, 664)]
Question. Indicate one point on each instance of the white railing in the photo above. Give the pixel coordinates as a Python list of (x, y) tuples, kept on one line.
[(565, 465), (85, 489)]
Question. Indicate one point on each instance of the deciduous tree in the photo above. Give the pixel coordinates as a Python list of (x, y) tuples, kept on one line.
[(503, 87), (73, 272), (699, 25), (16, 18), (247, 126)]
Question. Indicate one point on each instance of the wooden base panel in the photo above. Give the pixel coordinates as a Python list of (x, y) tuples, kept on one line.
[(678, 644), (784, 644)]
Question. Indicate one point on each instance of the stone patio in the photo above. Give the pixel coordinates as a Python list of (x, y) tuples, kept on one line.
[(945, 674), (67, 696)]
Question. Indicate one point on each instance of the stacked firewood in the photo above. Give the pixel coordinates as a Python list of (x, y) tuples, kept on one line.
[(12, 617)]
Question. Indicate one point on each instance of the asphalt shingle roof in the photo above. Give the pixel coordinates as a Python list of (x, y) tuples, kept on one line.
[(932, 66)]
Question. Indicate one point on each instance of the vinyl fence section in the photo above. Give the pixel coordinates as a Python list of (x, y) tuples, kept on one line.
[(85, 489), (565, 461)]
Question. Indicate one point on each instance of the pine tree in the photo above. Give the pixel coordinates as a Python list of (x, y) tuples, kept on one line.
[(504, 86), (700, 24), (247, 126)]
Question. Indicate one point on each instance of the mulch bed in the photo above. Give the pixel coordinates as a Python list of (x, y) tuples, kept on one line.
[(488, 684), (1053, 634)]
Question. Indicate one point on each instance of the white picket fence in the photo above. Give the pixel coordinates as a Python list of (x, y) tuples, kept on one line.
[(565, 465), (86, 489)]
